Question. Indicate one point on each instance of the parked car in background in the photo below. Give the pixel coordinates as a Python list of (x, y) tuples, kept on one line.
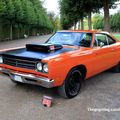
[(65, 60)]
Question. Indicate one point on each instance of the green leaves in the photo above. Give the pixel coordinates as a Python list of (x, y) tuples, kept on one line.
[(29, 12), (19, 13), (9, 11), (98, 22), (2, 7), (114, 22), (74, 10), (55, 21)]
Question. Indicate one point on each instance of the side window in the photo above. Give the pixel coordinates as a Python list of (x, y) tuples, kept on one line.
[(110, 40), (86, 40), (100, 38)]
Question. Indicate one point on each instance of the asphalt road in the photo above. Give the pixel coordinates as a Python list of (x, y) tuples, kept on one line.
[(23, 102)]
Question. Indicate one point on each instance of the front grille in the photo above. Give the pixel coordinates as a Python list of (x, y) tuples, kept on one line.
[(21, 63)]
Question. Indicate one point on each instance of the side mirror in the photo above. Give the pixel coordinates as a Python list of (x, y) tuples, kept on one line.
[(101, 44)]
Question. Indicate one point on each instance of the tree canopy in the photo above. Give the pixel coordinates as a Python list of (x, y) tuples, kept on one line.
[(114, 22), (29, 13), (74, 10)]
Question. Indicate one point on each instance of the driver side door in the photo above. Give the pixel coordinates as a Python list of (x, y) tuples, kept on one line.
[(103, 55)]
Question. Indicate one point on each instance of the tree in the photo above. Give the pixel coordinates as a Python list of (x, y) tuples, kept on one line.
[(75, 10), (88, 6), (106, 4), (9, 14), (72, 11), (18, 15), (115, 22), (24, 15), (54, 20), (106, 15), (2, 8), (98, 21)]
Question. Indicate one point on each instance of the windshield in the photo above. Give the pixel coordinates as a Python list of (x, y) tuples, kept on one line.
[(66, 38)]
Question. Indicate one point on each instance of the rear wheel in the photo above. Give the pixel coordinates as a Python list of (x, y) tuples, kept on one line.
[(72, 84), (116, 69)]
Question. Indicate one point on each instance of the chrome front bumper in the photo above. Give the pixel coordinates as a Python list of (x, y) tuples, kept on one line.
[(29, 78)]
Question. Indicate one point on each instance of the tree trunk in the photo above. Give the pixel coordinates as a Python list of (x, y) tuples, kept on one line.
[(106, 15), (11, 31), (89, 21), (82, 24), (28, 32), (75, 26), (79, 25), (18, 35)]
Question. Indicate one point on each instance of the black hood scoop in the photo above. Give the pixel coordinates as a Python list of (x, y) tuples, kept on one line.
[(43, 47)]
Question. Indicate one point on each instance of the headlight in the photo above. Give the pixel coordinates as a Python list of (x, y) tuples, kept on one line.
[(45, 68), (1, 59), (39, 66)]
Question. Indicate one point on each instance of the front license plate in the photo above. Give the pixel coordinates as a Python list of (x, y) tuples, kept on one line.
[(18, 78)]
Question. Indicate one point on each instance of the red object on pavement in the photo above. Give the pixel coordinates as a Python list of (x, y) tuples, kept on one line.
[(47, 101)]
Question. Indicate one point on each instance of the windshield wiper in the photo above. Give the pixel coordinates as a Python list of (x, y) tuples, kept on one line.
[(68, 44)]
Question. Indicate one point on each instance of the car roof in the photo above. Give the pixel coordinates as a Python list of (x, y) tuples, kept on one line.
[(104, 32), (86, 31)]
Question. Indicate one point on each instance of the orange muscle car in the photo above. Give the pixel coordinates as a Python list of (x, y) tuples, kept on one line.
[(64, 61)]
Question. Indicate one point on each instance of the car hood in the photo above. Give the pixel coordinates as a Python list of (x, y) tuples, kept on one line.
[(24, 53)]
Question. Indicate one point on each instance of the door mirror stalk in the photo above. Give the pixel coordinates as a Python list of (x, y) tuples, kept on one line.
[(101, 44)]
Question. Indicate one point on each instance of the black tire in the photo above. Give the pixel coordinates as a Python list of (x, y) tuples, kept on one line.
[(72, 84), (116, 69)]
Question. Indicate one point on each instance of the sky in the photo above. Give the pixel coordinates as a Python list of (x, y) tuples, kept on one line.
[(112, 11), (52, 5)]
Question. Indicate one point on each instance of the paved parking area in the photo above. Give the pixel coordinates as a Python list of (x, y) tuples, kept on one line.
[(23, 102)]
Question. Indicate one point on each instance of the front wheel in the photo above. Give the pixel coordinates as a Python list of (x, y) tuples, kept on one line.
[(116, 69), (72, 84)]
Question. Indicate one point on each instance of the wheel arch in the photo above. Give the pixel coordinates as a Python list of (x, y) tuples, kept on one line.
[(82, 69), (62, 89)]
